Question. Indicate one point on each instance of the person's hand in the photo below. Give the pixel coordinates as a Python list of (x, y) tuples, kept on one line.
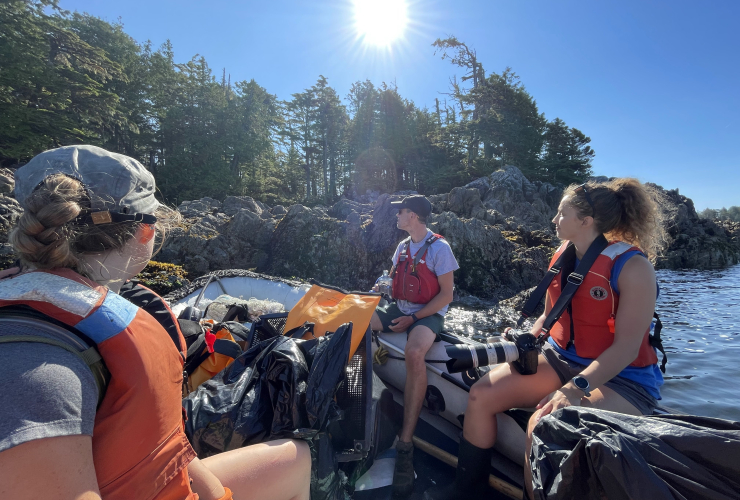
[(375, 288), (559, 399), (401, 324), (505, 335)]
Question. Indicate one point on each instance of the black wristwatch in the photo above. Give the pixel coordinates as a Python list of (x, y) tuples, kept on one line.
[(582, 384), (413, 316)]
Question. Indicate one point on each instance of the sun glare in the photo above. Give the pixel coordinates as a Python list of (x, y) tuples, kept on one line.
[(380, 22)]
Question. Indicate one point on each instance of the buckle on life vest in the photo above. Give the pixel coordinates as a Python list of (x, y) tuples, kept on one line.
[(575, 279), (554, 270), (210, 340)]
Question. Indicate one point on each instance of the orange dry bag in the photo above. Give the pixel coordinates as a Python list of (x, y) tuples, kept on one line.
[(330, 308)]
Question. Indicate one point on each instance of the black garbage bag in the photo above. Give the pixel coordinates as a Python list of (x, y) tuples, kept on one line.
[(327, 480), (594, 454), (255, 399), (328, 368), (279, 388)]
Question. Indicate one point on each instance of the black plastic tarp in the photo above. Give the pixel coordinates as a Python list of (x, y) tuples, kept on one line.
[(593, 454), (280, 388)]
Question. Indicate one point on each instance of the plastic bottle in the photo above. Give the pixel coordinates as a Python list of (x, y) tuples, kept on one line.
[(385, 284)]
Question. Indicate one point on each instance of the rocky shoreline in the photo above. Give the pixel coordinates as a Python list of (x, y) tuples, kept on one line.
[(498, 227)]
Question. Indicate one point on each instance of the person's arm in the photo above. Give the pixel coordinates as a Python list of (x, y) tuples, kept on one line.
[(9, 271), (636, 305), (56, 468), (443, 298)]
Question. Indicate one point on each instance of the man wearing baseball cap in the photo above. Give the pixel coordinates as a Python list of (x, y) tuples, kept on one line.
[(422, 270)]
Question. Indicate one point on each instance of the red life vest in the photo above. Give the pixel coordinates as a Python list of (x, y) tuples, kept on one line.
[(413, 281), (139, 446), (593, 305)]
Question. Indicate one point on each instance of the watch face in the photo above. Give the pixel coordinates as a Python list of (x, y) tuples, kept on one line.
[(580, 382)]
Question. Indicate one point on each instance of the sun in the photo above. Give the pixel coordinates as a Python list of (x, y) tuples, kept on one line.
[(380, 22)]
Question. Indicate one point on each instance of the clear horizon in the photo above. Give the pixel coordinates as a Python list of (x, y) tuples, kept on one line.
[(654, 84)]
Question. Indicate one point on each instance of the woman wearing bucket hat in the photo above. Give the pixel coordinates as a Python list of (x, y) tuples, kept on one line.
[(92, 384)]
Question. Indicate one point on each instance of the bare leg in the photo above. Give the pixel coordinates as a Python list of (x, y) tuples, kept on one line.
[(602, 398), (375, 323), (420, 340), (278, 470), (499, 390)]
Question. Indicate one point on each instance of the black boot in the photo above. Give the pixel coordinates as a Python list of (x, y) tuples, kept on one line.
[(403, 474), (471, 477)]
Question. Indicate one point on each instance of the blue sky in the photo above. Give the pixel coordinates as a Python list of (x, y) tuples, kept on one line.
[(655, 84)]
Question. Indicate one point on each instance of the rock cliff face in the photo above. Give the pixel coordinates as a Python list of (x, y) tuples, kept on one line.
[(10, 210), (498, 227), (694, 242), (350, 244)]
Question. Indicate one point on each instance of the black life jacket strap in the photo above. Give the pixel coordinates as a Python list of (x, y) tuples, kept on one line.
[(144, 298), (657, 342), (191, 330), (539, 293), (406, 246), (403, 256), (573, 281), (198, 352)]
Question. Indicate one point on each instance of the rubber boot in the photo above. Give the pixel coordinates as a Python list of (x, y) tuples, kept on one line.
[(403, 474), (471, 477)]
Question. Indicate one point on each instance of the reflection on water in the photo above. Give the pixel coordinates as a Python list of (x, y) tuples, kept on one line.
[(700, 311)]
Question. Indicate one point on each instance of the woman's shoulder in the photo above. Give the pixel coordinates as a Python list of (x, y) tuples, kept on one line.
[(47, 392), (637, 269)]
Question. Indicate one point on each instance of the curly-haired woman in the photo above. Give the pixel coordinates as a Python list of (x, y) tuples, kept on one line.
[(598, 353)]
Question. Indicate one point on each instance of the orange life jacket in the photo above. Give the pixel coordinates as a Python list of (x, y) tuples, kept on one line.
[(413, 281), (139, 447), (593, 305)]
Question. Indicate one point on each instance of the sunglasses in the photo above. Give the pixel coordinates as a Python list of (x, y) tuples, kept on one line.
[(588, 198)]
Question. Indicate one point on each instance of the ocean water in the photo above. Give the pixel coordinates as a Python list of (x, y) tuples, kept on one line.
[(700, 311)]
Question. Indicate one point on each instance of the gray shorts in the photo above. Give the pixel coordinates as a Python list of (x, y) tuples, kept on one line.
[(629, 390)]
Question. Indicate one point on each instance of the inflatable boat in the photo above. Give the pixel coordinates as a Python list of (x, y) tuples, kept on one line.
[(447, 393)]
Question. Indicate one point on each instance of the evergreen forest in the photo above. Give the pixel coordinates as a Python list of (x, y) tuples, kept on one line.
[(731, 214), (71, 78)]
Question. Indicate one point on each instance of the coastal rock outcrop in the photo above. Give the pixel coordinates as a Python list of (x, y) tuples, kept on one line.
[(10, 211), (507, 191), (350, 243), (498, 227), (694, 242)]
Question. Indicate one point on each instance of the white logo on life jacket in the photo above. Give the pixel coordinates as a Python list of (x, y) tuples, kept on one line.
[(599, 293)]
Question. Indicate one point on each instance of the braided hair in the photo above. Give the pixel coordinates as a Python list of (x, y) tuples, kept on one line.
[(49, 235)]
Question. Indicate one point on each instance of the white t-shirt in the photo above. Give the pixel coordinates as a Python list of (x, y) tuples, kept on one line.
[(439, 260)]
